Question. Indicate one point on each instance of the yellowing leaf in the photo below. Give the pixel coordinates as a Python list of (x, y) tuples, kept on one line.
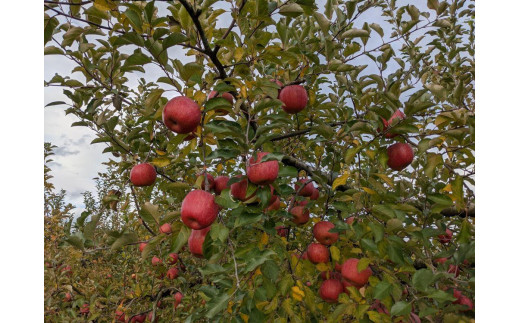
[(341, 180), (356, 250), (239, 52), (386, 179), (263, 240), (323, 267), (160, 153), (244, 317), (200, 97), (161, 162), (446, 188), (369, 190), (335, 253), (297, 293)]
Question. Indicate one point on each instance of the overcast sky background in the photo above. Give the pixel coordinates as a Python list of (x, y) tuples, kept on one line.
[(76, 162)]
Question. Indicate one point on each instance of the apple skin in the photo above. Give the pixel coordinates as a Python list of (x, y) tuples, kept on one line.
[(262, 173), (445, 238), (172, 258), (150, 316), (138, 318), (322, 235), (239, 190), (196, 240), (462, 300), (441, 260), (199, 210), (226, 95), (350, 272), (67, 297), (305, 255), (165, 228), (315, 195), (274, 203), (324, 275), (181, 115), (318, 253), (307, 190), (221, 183), (143, 175), (211, 181), (156, 261), (350, 220), (454, 269), (398, 115), (84, 309), (346, 284), (294, 98), (120, 316), (178, 299), (400, 155), (280, 84), (330, 290), (142, 245), (172, 273), (300, 214), (282, 231)]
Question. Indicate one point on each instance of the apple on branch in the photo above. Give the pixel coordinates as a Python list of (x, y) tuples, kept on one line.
[(143, 175), (294, 98), (181, 115), (198, 209)]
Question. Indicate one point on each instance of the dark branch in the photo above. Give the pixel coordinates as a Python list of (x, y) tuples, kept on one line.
[(68, 3), (231, 26)]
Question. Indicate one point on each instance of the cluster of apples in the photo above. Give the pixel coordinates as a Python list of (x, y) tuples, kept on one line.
[(399, 154)]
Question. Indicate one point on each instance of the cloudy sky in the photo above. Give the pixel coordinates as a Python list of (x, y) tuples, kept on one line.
[(76, 162)]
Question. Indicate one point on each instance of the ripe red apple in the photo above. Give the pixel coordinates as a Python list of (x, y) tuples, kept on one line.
[(150, 316), (398, 115), (350, 272), (67, 297), (181, 115), (211, 181), (282, 231), (441, 260), (445, 238), (294, 98), (346, 284), (221, 183), (165, 228), (84, 309), (330, 274), (172, 273), (172, 258), (315, 194), (274, 204), (120, 316), (330, 290), (454, 269), (138, 318), (318, 253), (462, 300), (400, 155), (300, 214), (239, 190), (305, 255), (322, 235), (307, 190), (262, 173), (178, 299), (196, 240), (133, 276), (142, 245), (199, 210), (66, 270), (143, 175), (226, 95), (156, 261), (280, 84), (350, 220)]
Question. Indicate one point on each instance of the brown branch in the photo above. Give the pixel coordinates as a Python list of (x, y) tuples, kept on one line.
[(231, 26), (68, 3)]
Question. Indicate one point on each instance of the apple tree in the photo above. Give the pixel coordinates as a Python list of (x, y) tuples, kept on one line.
[(269, 160)]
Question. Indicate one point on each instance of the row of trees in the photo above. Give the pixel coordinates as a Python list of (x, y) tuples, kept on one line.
[(306, 162)]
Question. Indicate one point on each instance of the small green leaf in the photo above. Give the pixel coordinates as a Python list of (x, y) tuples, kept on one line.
[(422, 279), (401, 308)]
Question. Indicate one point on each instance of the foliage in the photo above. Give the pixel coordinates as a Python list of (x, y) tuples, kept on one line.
[(359, 61)]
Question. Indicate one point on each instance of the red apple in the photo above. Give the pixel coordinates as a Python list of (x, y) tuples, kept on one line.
[(181, 115), (318, 253), (156, 261), (350, 220), (315, 194), (196, 240), (441, 260), (330, 290), (274, 204), (400, 155), (239, 190), (221, 183), (398, 115), (350, 272), (178, 299), (67, 297), (166, 228), (84, 309), (142, 245), (324, 275), (226, 95), (282, 231), (199, 210), (280, 84), (307, 190), (305, 255), (150, 316), (322, 235), (143, 175), (66, 270), (190, 137), (172, 258), (172, 273), (454, 269), (300, 214), (211, 181), (346, 284), (120, 316), (262, 173), (445, 238), (138, 318), (462, 300), (294, 98)]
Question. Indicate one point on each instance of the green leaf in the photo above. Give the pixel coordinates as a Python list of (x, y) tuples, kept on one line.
[(257, 258), (88, 231), (173, 39), (212, 269), (322, 21), (150, 214), (216, 305), (382, 290), (354, 32), (287, 171), (442, 296), (422, 279), (76, 240), (180, 239), (225, 200), (432, 160), (291, 10), (135, 19), (52, 50), (401, 308), (126, 238), (55, 103)]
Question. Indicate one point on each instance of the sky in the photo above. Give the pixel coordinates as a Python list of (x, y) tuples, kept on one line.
[(77, 162)]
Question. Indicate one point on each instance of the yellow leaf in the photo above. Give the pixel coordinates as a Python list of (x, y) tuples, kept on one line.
[(322, 266), (243, 91), (160, 161), (263, 240), (446, 188), (369, 190), (200, 97), (386, 179), (342, 180), (370, 153), (160, 153), (356, 250), (312, 97), (261, 305), (220, 167), (335, 253), (244, 317), (239, 52), (230, 307), (297, 293)]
